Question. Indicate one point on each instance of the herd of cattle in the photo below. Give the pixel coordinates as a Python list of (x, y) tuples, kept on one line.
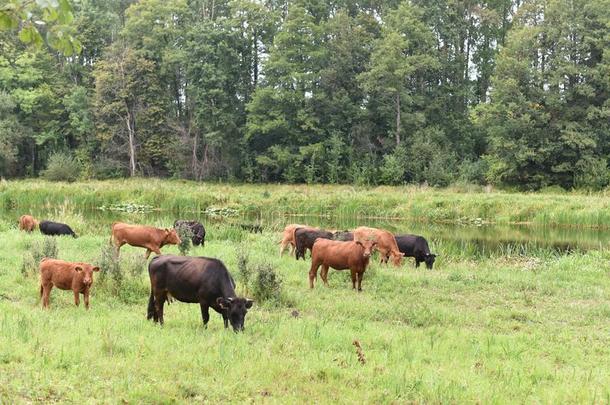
[(207, 281)]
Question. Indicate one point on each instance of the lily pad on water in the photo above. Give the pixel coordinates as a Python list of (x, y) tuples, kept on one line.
[(127, 207), (221, 212)]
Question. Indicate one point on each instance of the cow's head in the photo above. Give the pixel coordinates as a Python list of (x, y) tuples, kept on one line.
[(86, 271), (429, 259), (171, 237), (236, 310), (367, 247), (397, 258)]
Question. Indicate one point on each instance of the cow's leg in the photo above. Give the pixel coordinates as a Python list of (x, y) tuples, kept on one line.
[(354, 278), (360, 274), (313, 273), (76, 298), (283, 244), (225, 319), (205, 313), (160, 298), (46, 293), (324, 274), (86, 298)]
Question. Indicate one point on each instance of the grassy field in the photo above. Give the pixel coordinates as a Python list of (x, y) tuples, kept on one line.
[(468, 204), (501, 329)]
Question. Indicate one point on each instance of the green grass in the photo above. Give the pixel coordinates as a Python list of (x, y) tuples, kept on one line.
[(504, 328), (412, 203)]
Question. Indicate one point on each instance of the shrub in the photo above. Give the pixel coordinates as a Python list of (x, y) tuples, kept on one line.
[(36, 252), (122, 281), (110, 266), (62, 167), (185, 233), (243, 269), (267, 284)]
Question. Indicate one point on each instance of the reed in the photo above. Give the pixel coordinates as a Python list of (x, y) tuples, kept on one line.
[(412, 203)]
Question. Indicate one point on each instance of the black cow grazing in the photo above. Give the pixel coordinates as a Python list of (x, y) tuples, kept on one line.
[(195, 280), (417, 247), (344, 236), (304, 239), (196, 228), (55, 228)]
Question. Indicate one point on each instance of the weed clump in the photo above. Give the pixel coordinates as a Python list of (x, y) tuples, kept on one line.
[(37, 251), (186, 234), (122, 281), (259, 279), (267, 284)]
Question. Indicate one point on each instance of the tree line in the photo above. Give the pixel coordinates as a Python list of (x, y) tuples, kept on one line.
[(507, 92)]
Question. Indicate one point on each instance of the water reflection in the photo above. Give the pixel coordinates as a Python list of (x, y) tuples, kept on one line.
[(468, 238)]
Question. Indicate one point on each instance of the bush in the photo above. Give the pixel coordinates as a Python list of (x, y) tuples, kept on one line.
[(393, 167), (122, 281), (62, 167), (243, 269), (38, 251), (267, 284), (185, 233)]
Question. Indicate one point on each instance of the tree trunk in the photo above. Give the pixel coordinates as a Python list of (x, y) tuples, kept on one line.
[(132, 144), (397, 119)]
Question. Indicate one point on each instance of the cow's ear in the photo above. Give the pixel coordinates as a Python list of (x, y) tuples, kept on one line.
[(78, 268), (249, 303), (96, 268), (222, 302), (360, 243)]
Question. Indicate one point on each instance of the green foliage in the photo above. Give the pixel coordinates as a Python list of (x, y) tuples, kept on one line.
[(310, 92), (185, 234), (62, 167), (36, 251), (32, 19), (267, 284)]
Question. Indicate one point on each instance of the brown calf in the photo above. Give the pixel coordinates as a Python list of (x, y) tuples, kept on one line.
[(27, 223), (288, 240), (386, 244), (77, 277), (340, 256), (148, 237)]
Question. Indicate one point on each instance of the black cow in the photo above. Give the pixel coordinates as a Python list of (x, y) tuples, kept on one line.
[(196, 280), (55, 228), (196, 228), (344, 236), (304, 239), (417, 247)]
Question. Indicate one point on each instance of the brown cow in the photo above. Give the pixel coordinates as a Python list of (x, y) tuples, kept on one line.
[(77, 277), (288, 239), (340, 256), (27, 223), (386, 244), (148, 237)]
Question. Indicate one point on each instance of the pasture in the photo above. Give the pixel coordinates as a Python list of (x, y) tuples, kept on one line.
[(511, 325)]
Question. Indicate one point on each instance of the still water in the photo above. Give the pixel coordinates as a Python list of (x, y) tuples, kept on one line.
[(472, 239)]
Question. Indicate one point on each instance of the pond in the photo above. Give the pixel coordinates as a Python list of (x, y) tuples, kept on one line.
[(469, 239)]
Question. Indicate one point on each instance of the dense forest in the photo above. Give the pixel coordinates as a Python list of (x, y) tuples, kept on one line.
[(505, 92)]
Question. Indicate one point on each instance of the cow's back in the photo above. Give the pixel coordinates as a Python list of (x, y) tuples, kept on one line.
[(57, 272), (189, 278)]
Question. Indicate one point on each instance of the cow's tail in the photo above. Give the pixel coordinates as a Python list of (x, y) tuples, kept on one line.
[(151, 305), (41, 290)]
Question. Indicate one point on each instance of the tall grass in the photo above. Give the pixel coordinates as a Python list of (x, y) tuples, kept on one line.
[(411, 203)]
